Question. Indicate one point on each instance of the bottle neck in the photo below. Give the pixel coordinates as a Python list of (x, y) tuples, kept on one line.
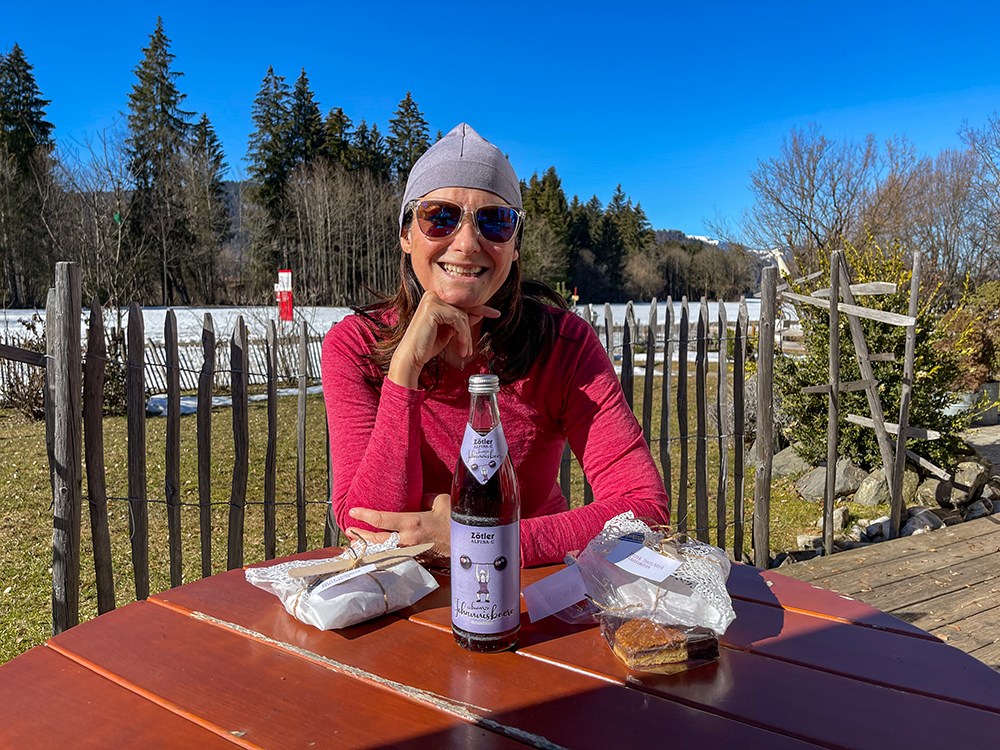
[(484, 414)]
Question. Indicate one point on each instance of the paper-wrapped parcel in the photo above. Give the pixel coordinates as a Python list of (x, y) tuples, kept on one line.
[(329, 602)]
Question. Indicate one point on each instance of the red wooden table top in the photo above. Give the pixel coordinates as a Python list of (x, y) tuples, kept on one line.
[(219, 663)]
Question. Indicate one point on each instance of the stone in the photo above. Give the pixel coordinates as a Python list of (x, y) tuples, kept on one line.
[(969, 478), (794, 556), (808, 541), (934, 493), (849, 477), (991, 491), (857, 534), (787, 462), (878, 529), (976, 509), (841, 515), (874, 490), (911, 480), (812, 486), (923, 519)]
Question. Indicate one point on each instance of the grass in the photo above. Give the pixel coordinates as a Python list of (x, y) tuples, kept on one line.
[(26, 519)]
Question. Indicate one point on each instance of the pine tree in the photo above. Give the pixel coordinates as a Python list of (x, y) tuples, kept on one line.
[(306, 131), (371, 152), (158, 130), (206, 207), (268, 152), (25, 180), (407, 138), (337, 138), (24, 131)]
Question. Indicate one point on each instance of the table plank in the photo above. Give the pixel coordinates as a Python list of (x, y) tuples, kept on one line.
[(564, 707), (767, 587), (50, 701), (273, 698)]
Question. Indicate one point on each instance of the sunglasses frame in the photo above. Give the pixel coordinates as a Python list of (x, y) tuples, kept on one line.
[(411, 208)]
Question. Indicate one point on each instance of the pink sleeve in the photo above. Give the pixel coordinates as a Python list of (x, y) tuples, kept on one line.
[(374, 437), (604, 433)]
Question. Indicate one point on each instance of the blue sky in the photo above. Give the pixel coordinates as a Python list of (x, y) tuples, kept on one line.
[(675, 101)]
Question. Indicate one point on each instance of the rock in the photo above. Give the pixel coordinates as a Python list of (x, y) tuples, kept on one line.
[(911, 479), (991, 491), (949, 516), (808, 541), (856, 545), (976, 509), (849, 477), (857, 533), (921, 520), (794, 556), (787, 462), (969, 477), (878, 529), (933, 493), (841, 515), (874, 490), (812, 486)]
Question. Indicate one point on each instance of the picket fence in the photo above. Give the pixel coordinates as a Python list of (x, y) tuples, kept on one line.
[(74, 388)]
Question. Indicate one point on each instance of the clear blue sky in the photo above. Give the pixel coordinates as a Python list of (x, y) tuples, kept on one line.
[(675, 101)]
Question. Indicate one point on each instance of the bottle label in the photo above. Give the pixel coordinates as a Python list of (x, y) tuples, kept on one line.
[(485, 577), (483, 454)]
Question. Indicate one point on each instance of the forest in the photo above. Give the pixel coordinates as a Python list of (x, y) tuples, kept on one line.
[(153, 210)]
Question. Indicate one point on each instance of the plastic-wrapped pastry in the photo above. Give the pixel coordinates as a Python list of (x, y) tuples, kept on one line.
[(643, 644)]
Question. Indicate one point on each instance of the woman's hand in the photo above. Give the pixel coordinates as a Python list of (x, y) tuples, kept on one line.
[(435, 325), (432, 525)]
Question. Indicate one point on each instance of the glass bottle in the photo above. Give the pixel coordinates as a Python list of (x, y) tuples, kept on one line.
[(485, 530)]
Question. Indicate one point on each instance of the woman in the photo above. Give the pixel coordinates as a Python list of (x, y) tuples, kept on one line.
[(395, 374)]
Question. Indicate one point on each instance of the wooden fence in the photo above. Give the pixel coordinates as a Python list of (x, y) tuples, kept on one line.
[(66, 380)]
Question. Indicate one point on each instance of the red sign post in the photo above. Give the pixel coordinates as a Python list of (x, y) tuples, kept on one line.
[(283, 290)]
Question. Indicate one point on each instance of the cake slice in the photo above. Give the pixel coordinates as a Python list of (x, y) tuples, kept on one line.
[(641, 643)]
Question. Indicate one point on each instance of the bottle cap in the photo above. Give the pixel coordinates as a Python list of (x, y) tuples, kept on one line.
[(479, 384)]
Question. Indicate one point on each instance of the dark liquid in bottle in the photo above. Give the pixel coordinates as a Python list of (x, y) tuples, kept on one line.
[(490, 504)]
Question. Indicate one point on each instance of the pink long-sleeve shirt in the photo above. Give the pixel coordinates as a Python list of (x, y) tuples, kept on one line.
[(390, 448)]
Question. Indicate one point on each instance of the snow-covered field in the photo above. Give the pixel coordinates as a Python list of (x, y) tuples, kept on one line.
[(318, 319)]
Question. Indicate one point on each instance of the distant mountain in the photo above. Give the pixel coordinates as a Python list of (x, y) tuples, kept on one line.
[(664, 236)]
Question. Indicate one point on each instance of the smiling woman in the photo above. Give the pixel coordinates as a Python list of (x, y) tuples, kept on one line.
[(395, 373)]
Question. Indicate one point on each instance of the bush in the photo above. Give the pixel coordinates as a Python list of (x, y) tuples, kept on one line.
[(23, 386), (972, 332), (935, 369)]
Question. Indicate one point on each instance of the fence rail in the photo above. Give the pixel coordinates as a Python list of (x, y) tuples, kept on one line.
[(173, 367)]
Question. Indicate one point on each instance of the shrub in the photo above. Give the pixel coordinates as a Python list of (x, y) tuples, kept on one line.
[(935, 368), (972, 332)]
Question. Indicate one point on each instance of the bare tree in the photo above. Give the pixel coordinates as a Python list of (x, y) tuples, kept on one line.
[(985, 144)]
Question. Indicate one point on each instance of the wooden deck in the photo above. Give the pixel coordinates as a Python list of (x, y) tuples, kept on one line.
[(946, 582)]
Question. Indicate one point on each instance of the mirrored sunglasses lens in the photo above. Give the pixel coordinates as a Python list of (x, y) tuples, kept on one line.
[(438, 220), (496, 223)]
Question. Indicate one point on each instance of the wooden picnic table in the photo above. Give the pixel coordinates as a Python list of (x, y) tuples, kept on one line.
[(219, 663)]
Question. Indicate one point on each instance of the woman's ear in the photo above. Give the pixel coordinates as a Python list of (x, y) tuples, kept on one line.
[(404, 239)]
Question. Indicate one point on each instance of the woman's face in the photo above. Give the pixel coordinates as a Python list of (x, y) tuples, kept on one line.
[(463, 269)]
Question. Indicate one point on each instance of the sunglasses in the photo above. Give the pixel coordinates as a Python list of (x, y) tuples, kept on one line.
[(438, 219)]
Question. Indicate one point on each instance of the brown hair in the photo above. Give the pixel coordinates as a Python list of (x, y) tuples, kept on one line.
[(510, 344)]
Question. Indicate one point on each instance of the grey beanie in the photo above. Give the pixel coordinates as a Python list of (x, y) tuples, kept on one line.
[(465, 159)]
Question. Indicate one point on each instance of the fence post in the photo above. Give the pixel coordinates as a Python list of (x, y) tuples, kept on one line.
[(300, 448), (896, 509), (765, 420), (833, 407), (135, 392), (723, 422), (239, 363), (206, 381), (739, 427), (628, 368), (66, 382), (93, 426), (682, 414), (647, 384), (271, 456), (701, 416), (668, 373), (172, 451)]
